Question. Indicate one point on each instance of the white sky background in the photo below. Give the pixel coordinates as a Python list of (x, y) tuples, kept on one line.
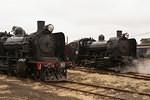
[(79, 18)]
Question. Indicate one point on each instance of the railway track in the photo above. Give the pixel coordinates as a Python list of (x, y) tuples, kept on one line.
[(98, 90), (145, 77)]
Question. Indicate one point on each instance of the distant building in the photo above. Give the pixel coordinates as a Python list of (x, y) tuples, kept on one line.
[(145, 40), (143, 49)]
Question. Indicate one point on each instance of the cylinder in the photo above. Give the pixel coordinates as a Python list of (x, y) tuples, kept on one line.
[(119, 33), (40, 25)]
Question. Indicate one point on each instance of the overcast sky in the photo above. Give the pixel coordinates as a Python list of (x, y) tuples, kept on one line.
[(79, 18)]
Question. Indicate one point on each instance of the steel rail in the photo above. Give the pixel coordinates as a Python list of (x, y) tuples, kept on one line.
[(105, 87), (80, 90), (108, 72)]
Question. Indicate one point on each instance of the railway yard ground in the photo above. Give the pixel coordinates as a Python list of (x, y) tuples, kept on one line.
[(81, 85)]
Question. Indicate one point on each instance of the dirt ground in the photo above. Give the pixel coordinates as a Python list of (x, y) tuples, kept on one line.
[(113, 81), (12, 88)]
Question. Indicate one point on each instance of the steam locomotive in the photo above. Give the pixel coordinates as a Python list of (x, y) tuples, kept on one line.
[(39, 55), (117, 51)]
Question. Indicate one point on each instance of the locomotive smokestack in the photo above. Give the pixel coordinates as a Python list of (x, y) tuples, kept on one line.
[(119, 33), (40, 25)]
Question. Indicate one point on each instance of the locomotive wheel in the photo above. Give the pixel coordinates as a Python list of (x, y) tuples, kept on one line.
[(21, 69), (47, 74), (43, 75), (61, 74)]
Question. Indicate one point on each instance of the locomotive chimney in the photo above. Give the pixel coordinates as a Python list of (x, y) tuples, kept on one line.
[(40, 25), (119, 33)]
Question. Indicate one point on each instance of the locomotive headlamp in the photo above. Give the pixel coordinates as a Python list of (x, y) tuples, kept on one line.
[(50, 27), (62, 65), (126, 35), (76, 52)]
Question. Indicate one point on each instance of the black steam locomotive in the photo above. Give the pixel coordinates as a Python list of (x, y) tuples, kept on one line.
[(39, 55), (117, 51)]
